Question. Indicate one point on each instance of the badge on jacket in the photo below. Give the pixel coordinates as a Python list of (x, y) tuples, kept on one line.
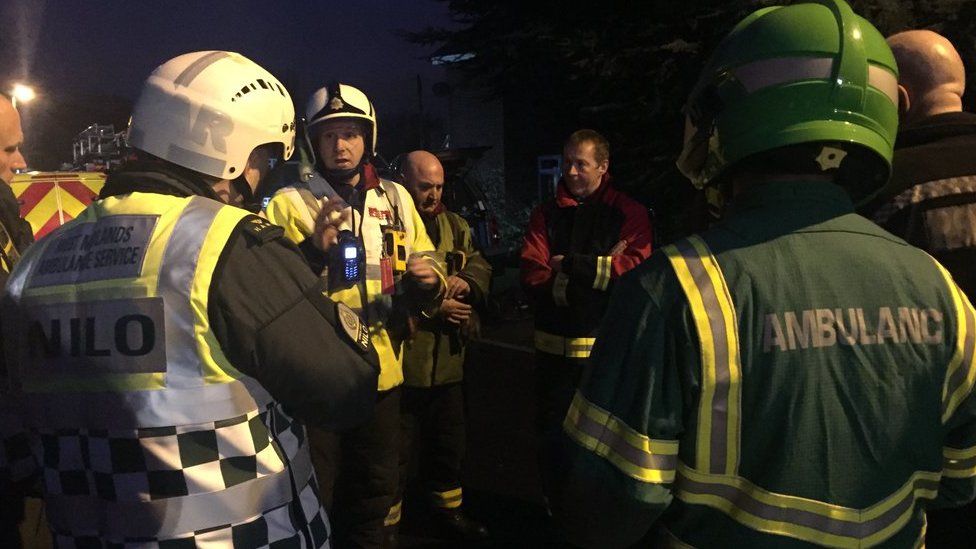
[(356, 330)]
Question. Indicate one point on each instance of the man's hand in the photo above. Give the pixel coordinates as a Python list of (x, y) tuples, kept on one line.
[(455, 312), (457, 288), (422, 273), (334, 213), (556, 263)]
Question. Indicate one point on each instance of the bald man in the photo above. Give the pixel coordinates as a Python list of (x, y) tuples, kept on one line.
[(931, 198), (11, 138), (15, 233), (16, 464), (432, 406)]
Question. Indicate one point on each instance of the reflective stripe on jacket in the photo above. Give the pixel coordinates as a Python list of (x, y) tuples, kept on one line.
[(295, 208), (147, 431)]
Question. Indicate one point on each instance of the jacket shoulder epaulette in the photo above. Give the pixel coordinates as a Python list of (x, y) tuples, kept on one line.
[(260, 229)]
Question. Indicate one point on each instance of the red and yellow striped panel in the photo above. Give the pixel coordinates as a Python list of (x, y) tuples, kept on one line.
[(50, 199)]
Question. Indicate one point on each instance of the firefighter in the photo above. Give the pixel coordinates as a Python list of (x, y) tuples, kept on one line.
[(576, 247), (171, 344), (795, 375), (363, 235), (432, 409)]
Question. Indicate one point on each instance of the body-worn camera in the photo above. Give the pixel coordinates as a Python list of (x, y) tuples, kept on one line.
[(395, 248)]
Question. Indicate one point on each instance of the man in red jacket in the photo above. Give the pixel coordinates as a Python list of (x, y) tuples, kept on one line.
[(576, 246)]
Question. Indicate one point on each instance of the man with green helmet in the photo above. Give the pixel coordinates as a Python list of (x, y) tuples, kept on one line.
[(795, 375)]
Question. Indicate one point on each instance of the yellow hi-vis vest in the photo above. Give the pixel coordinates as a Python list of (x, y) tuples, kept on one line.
[(147, 431), (295, 208)]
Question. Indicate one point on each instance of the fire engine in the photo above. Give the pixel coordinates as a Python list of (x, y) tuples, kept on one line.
[(50, 199)]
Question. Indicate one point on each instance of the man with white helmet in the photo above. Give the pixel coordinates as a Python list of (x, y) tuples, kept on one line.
[(158, 334), (364, 236)]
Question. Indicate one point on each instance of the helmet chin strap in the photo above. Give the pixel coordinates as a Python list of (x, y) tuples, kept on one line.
[(243, 188), (341, 176)]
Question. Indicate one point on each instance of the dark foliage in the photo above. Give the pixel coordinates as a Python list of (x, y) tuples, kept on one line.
[(625, 68)]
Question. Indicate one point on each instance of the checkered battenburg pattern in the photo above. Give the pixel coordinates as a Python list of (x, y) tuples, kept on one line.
[(302, 524), (158, 463)]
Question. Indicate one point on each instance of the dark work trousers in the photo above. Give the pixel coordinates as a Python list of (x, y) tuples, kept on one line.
[(357, 473), (556, 380), (432, 428), (11, 513)]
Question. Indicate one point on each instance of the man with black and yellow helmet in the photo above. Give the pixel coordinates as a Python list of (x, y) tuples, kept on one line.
[(364, 237), (171, 345), (795, 375)]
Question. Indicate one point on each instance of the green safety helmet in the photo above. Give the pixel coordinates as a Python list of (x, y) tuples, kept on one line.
[(784, 76)]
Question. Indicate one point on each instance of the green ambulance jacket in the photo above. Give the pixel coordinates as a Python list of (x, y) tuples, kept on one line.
[(435, 354), (794, 376)]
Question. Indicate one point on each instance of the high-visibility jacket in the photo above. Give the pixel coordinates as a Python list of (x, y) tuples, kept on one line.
[(386, 203), (147, 432), (435, 353), (569, 304), (793, 376)]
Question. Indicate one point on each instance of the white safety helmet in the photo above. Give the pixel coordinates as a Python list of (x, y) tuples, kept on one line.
[(341, 101), (208, 110)]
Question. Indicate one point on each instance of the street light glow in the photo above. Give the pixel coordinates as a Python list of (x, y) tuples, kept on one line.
[(23, 93)]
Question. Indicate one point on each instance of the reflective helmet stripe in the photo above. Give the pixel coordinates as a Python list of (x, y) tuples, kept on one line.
[(786, 70)]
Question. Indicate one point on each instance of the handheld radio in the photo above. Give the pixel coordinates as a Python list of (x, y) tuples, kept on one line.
[(350, 260)]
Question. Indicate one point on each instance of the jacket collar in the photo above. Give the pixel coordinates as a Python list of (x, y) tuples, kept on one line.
[(937, 127), (155, 177), (565, 199), (437, 211), (368, 179)]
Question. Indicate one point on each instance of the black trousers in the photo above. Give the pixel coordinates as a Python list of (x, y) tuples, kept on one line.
[(432, 430), (357, 473), (11, 513), (556, 380)]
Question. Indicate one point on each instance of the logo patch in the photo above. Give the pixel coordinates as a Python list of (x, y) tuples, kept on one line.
[(354, 327), (336, 103), (111, 248), (98, 337), (385, 215)]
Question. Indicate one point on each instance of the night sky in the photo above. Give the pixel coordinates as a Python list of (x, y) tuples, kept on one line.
[(107, 47)]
